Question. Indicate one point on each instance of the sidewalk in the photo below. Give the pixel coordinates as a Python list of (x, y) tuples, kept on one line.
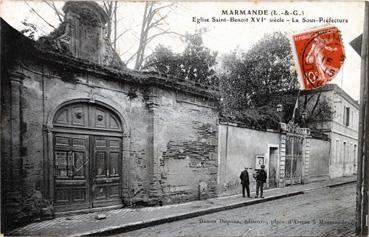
[(128, 218)]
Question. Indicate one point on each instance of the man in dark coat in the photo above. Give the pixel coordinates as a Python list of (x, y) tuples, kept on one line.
[(261, 178), (245, 182)]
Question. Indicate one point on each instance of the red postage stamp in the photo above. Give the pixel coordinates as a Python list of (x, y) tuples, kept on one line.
[(319, 55)]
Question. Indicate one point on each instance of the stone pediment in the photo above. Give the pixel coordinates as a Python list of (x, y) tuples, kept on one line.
[(83, 35)]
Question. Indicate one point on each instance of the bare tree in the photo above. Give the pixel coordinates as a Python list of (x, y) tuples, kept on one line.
[(39, 15), (152, 19), (153, 25), (57, 11), (108, 8), (111, 9)]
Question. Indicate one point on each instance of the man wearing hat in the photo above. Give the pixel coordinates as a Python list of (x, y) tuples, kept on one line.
[(261, 178), (245, 182)]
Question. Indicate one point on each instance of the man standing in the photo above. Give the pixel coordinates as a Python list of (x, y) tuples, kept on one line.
[(261, 178), (245, 182)]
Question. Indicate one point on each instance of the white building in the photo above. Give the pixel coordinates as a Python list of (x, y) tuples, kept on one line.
[(342, 129)]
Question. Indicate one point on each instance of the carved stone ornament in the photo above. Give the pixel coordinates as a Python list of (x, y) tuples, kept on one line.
[(78, 115), (83, 34)]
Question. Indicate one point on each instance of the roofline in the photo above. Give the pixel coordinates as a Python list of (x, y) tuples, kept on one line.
[(333, 87), (15, 41)]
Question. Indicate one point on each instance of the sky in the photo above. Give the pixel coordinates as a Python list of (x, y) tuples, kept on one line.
[(223, 37)]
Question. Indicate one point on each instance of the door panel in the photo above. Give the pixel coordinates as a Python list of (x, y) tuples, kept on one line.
[(87, 157), (106, 177), (71, 171)]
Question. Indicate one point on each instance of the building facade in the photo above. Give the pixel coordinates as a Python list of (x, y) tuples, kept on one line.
[(80, 132), (342, 128)]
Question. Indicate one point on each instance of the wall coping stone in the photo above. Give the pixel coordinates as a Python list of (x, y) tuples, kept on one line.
[(17, 48)]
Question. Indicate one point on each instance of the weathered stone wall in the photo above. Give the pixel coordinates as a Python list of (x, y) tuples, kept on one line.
[(186, 146), (238, 148), (169, 138), (40, 93)]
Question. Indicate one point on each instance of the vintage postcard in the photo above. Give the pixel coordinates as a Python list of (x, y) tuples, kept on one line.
[(125, 118)]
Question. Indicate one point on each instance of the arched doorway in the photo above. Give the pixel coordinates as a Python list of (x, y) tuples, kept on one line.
[(87, 157)]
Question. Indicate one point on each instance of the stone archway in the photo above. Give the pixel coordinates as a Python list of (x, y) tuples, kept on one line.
[(87, 157)]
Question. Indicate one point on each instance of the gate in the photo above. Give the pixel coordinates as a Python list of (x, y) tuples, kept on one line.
[(294, 160)]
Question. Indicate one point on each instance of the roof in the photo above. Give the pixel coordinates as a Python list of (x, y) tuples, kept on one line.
[(16, 47), (335, 88)]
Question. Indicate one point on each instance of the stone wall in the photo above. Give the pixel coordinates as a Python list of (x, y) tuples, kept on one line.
[(238, 148), (343, 158), (187, 147), (169, 130), (319, 159)]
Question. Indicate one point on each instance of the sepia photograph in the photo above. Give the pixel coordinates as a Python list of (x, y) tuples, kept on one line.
[(185, 118)]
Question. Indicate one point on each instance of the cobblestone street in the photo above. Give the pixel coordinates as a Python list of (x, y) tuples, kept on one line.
[(323, 212)]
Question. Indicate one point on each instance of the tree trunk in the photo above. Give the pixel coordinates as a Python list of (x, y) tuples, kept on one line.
[(115, 25), (140, 44)]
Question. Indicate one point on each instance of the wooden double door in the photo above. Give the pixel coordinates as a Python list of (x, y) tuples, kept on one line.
[(87, 171)]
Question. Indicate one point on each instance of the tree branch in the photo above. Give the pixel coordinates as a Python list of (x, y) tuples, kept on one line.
[(316, 104), (39, 15), (156, 23), (162, 7), (57, 12), (121, 34)]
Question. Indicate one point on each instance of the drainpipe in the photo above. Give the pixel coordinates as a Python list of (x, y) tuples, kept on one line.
[(226, 154), (362, 169)]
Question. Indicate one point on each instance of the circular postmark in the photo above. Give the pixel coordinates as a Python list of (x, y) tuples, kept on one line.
[(320, 54)]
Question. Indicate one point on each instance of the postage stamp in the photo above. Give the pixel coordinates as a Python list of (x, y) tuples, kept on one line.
[(319, 55)]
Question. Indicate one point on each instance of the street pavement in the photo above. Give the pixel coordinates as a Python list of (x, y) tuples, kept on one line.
[(126, 219), (322, 212)]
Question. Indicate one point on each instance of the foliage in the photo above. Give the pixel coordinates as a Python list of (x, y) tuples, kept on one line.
[(256, 81), (165, 61), (196, 63), (30, 30), (252, 84), (317, 107)]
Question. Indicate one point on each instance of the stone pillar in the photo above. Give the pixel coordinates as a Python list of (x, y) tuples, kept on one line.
[(48, 165), (282, 160), (306, 159), (153, 154), (127, 156), (13, 196)]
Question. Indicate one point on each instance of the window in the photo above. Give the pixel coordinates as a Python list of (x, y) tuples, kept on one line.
[(346, 116)]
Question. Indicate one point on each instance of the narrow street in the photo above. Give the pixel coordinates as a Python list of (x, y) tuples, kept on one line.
[(323, 212)]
